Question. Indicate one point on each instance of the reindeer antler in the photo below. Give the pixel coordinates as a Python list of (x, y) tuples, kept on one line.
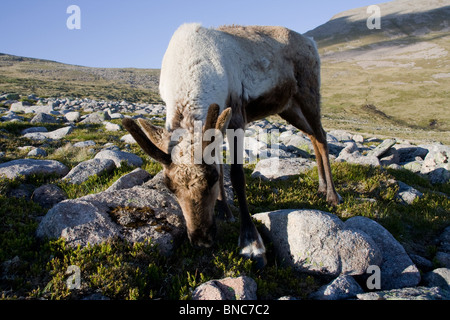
[(145, 143), (223, 120), (211, 117)]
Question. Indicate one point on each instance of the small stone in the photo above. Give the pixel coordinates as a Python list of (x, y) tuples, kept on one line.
[(96, 118), (341, 135), (414, 166), (358, 138), (445, 240), (84, 144), (37, 152), (407, 194), (298, 141), (53, 135), (12, 117), (84, 170), (395, 166), (73, 116), (33, 129), (43, 118), (109, 126), (343, 287), (390, 157), (79, 222), (437, 164), (19, 106), (240, 288), (422, 263), (119, 156), (351, 154), (48, 195), (439, 175), (128, 138), (408, 153), (382, 148), (287, 298), (117, 116)]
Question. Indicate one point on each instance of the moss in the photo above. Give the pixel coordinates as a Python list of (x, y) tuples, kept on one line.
[(132, 217)]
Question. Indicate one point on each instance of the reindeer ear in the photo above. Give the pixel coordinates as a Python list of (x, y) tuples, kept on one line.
[(223, 120), (145, 143)]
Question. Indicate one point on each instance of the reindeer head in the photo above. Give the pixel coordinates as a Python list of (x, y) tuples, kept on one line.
[(194, 183)]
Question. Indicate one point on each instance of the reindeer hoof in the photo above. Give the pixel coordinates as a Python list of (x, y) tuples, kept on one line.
[(334, 199), (259, 259), (255, 251)]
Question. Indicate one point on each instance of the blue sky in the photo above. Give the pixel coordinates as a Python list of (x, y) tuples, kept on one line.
[(135, 33)]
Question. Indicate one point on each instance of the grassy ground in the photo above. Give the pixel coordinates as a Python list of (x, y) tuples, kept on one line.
[(37, 269)]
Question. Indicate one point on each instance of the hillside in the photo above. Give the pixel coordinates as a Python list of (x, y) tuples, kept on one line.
[(393, 81), (49, 78)]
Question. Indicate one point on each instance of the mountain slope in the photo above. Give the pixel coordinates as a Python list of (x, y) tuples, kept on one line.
[(50, 78), (399, 18), (393, 81)]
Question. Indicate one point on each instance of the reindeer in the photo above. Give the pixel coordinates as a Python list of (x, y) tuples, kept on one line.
[(226, 78)]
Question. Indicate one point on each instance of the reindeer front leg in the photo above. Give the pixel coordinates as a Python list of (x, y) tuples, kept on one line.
[(250, 241), (222, 205)]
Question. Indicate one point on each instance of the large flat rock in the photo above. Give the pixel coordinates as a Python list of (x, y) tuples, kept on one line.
[(12, 169), (281, 168), (319, 242), (397, 268), (134, 214), (88, 168)]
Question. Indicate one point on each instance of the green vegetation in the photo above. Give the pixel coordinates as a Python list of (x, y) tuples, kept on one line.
[(119, 270)]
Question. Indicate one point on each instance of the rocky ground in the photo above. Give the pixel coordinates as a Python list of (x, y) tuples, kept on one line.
[(137, 206)]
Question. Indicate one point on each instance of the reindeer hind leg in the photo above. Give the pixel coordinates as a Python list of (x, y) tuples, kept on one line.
[(310, 124)]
